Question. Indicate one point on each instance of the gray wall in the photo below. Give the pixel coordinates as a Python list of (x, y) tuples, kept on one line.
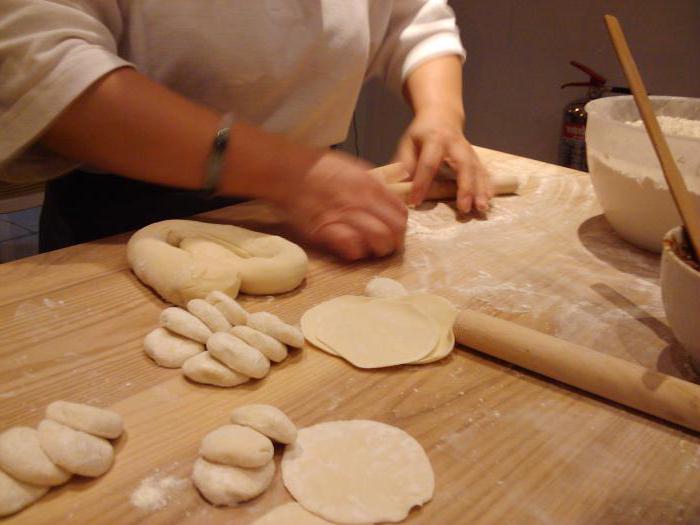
[(518, 55)]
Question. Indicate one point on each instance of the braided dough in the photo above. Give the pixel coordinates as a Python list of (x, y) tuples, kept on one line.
[(184, 260)]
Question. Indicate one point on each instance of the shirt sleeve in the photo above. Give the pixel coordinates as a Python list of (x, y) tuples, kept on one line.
[(417, 31), (50, 52)]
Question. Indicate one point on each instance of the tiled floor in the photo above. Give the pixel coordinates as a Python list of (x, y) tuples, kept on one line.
[(19, 234)]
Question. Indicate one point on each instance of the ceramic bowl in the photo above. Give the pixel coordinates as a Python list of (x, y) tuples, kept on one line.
[(625, 171), (680, 291)]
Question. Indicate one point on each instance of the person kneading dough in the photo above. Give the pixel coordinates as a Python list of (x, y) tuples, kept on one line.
[(131, 127)]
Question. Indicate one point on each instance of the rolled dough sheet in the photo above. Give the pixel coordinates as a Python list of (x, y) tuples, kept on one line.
[(291, 514), (314, 317), (439, 309), (443, 313), (379, 333), (357, 471)]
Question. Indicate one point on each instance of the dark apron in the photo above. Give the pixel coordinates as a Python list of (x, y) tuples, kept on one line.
[(83, 206)]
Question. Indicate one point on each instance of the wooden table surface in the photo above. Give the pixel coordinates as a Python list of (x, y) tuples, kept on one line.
[(507, 446)]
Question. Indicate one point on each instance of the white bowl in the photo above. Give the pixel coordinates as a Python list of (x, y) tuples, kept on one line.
[(680, 292), (625, 171)]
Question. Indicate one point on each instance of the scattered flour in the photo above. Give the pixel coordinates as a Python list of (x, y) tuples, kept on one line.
[(154, 492), (50, 303), (679, 126)]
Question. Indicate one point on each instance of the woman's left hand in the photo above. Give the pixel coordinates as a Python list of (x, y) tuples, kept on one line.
[(434, 137)]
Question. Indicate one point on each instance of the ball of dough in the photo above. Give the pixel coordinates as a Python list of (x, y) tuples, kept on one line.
[(183, 260), (268, 420), (75, 451), (385, 287), (234, 312), (227, 485), (209, 315), (170, 350), (22, 457), (184, 323), (238, 355), (237, 446), (273, 326), (16, 495), (203, 368), (93, 420), (269, 346)]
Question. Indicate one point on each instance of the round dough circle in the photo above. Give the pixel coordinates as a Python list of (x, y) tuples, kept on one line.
[(379, 333), (290, 514), (315, 317), (357, 471), (443, 313)]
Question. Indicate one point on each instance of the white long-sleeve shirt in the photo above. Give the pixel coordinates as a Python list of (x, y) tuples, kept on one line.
[(289, 66)]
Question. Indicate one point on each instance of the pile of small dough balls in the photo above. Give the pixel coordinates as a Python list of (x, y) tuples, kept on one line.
[(236, 461), (217, 342), (72, 439)]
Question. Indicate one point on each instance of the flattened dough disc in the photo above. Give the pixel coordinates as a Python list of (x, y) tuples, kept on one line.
[(291, 514), (314, 317), (444, 313), (379, 333), (357, 471)]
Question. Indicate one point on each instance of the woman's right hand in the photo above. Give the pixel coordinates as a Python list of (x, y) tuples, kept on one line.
[(327, 195), (336, 204), (126, 123)]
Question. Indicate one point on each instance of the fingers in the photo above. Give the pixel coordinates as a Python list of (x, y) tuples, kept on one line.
[(343, 240), (406, 154), (358, 234), (376, 234), (375, 229), (428, 163), (474, 188)]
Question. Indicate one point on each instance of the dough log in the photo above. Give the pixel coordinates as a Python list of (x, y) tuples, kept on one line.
[(442, 188), (183, 260)]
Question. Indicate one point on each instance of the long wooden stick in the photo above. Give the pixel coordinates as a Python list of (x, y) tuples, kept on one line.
[(610, 377), (679, 191)]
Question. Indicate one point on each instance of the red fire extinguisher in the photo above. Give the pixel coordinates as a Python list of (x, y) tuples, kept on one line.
[(572, 143)]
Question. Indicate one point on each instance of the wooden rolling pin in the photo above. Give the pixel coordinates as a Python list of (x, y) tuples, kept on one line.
[(610, 377), (442, 188)]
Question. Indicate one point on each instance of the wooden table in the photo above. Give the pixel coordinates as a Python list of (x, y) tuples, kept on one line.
[(507, 446)]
